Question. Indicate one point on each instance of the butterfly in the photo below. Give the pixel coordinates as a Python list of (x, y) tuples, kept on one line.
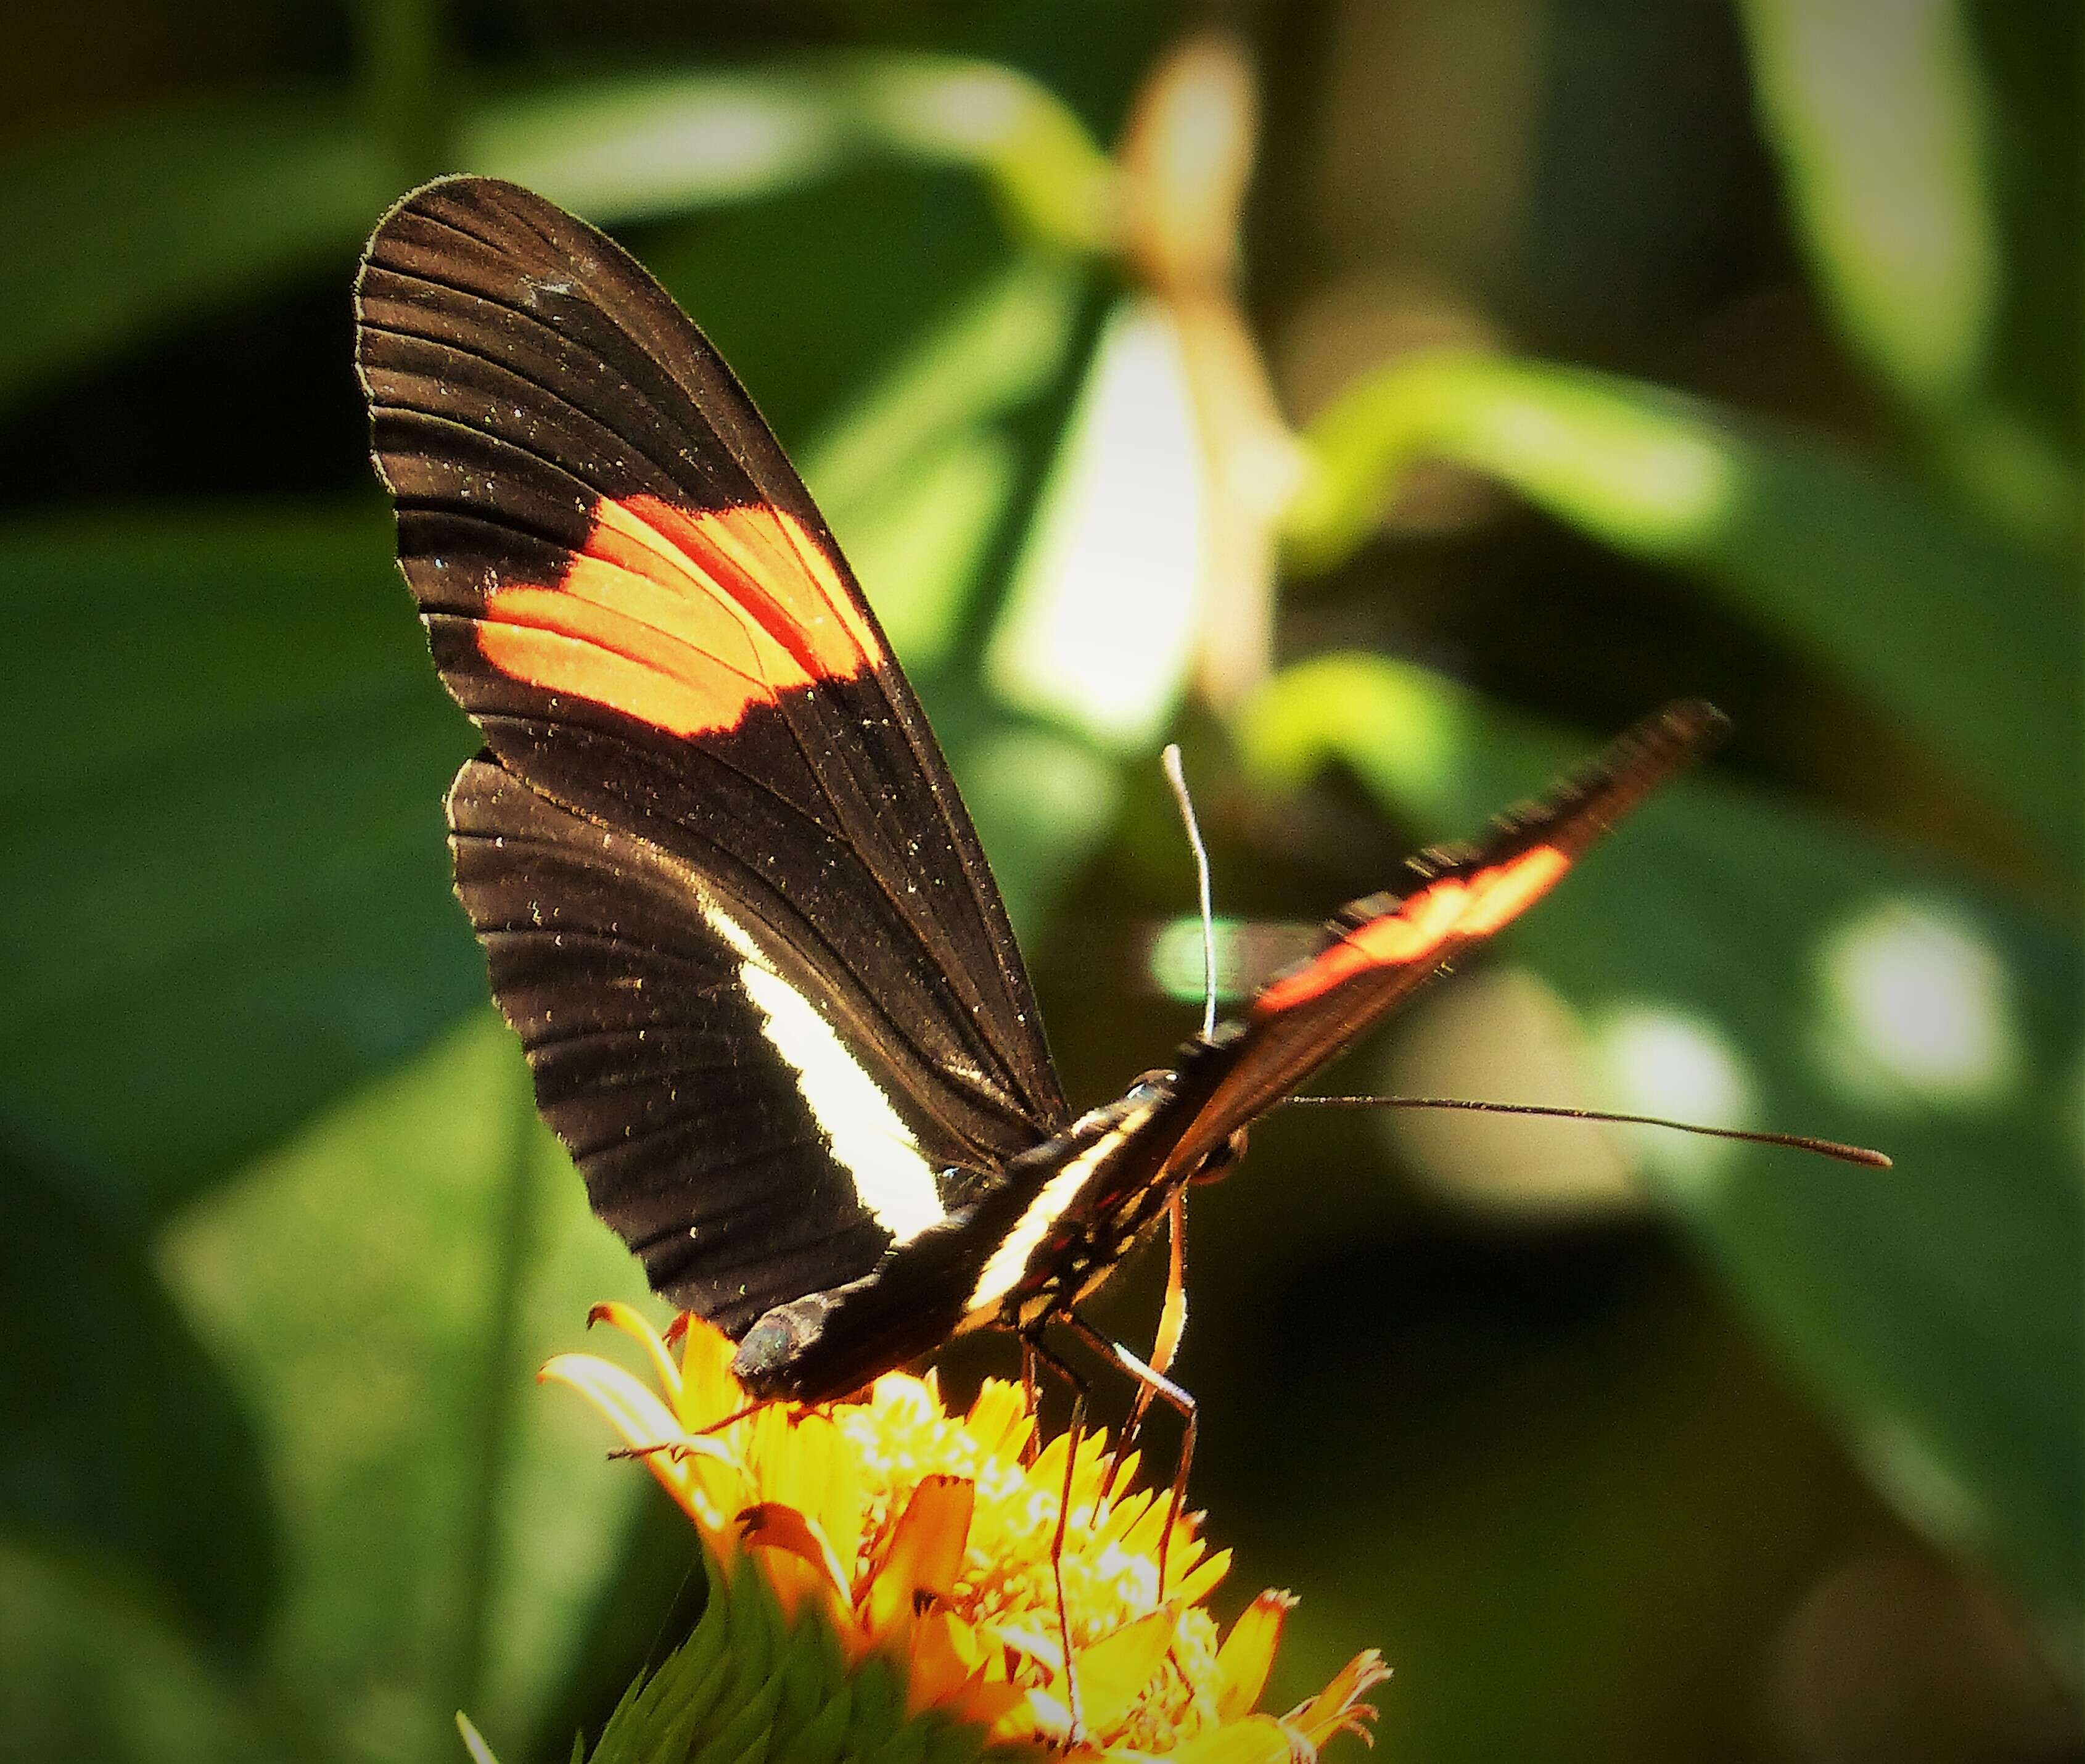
[(729, 896)]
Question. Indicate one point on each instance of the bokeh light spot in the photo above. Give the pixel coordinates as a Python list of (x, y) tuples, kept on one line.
[(1505, 1035), (1099, 623), (1656, 1061), (1916, 1001)]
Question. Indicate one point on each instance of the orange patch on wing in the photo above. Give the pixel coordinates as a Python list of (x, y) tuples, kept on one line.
[(684, 621), (1455, 909), (1499, 896)]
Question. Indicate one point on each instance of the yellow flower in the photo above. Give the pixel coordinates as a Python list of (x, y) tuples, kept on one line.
[(926, 1537)]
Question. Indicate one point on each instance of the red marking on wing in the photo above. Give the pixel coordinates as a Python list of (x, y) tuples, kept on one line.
[(1453, 910), (682, 620)]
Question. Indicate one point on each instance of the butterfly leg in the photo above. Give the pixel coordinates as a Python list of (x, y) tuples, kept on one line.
[(1042, 1356), (1028, 1398), (1165, 1343), (1152, 1384), (678, 1447)]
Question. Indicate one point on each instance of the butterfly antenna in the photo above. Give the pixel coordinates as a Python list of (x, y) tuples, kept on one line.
[(1833, 1149), (1178, 779)]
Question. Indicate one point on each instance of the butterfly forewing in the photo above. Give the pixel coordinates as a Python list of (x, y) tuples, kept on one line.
[(731, 900)]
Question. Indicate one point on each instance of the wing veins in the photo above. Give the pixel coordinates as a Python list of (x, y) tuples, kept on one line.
[(977, 887), (669, 471)]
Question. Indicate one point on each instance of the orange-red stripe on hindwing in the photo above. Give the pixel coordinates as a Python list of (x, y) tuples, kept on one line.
[(1449, 911)]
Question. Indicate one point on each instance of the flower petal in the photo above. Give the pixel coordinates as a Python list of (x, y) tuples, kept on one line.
[(802, 1460), (903, 1531), (1192, 1588), (686, 1465), (708, 1391), (799, 1564), (1038, 1716), (1114, 1672), (1247, 1655), (1258, 1739), (936, 1671), (1337, 1708), (772, 1526), (999, 1420), (993, 1704), (631, 1322), (926, 1549), (631, 1407)]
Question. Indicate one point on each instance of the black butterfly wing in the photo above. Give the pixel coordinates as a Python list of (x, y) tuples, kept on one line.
[(731, 899), (1062, 1217)]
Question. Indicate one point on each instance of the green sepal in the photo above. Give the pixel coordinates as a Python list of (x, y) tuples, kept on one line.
[(749, 1687)]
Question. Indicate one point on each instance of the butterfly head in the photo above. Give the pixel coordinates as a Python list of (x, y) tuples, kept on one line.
[(771, 1351)]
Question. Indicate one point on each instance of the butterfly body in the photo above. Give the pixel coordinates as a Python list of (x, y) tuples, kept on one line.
[(730, 898)]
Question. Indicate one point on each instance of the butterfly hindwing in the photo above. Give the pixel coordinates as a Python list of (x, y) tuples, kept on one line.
[(1380, 949), (692, 723), (654, 1032)]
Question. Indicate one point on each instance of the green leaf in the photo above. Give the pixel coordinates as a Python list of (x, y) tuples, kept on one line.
[(821, 1738), (1056, 184), (1884, 139), (879, 1701), (998, 351), (918, 475), (463, 1249), (1971, 641), (95, 1668), (908, 1745), (474, 1742), (119, 232), (744, 1686), (100, 1362), (1820, 982), (624, 147), (1042, 801), (222, 865), (632, 147)]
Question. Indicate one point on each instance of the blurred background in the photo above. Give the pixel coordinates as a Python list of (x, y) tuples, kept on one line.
[(1386, 398)]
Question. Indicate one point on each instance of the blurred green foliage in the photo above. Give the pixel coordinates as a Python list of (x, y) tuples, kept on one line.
[(285, 1240)]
